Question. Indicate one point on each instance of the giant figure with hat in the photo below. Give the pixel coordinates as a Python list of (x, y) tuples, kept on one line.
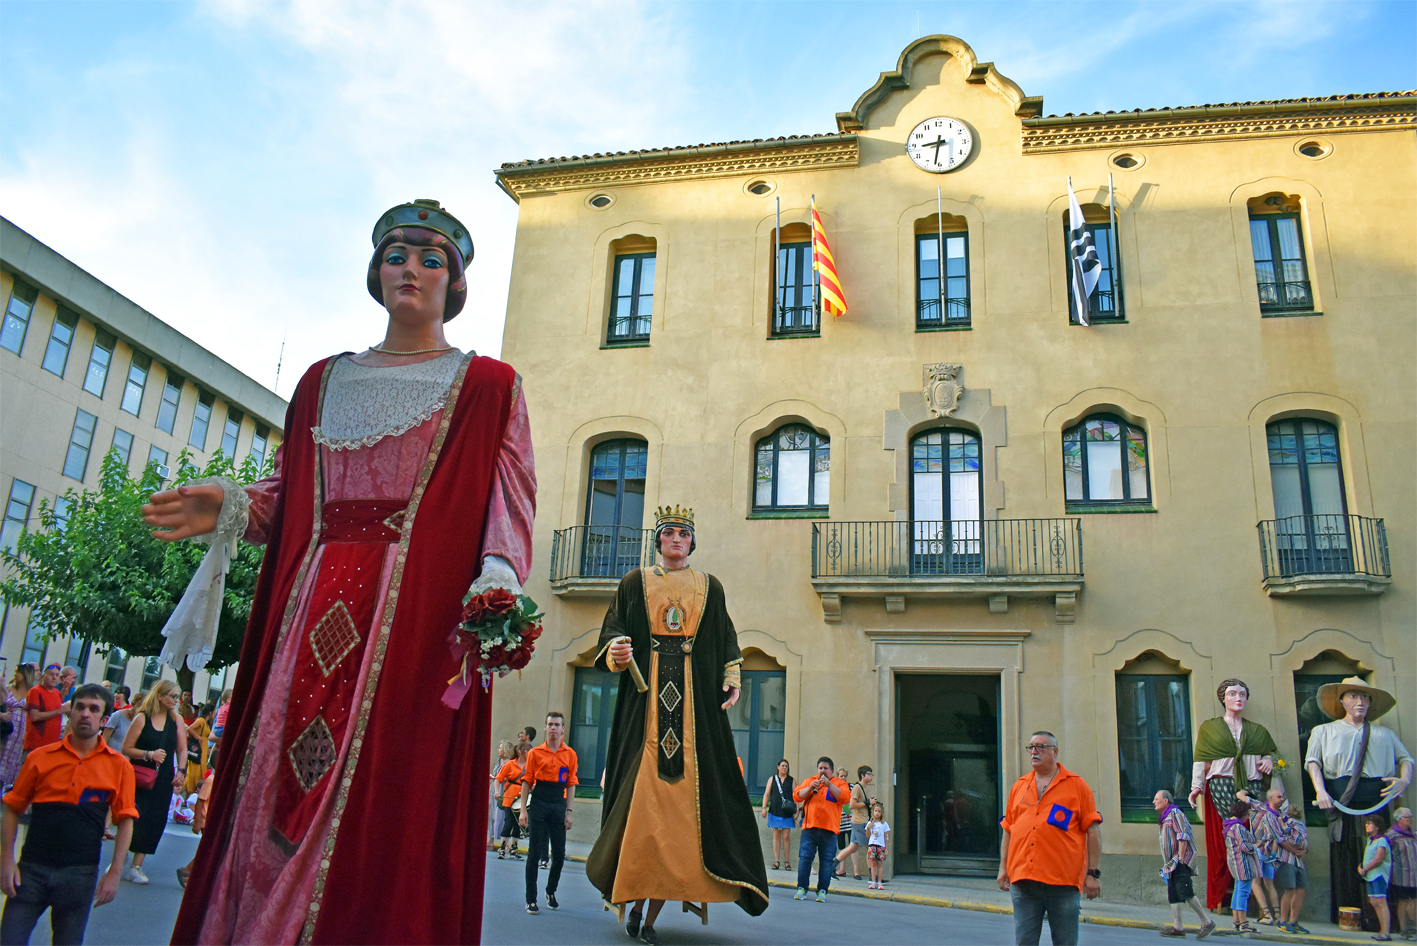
[(343, 806), (1357, 767), (676, 823)]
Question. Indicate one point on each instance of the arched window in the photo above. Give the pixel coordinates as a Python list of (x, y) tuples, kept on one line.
[(946, 496), (1310, 509), (793, 470), (1104, 461), (615, 508)]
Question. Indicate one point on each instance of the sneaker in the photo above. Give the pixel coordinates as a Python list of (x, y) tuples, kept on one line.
[(800, 895), (821, 896), (533, 909), (135, 875), (501, 855), (551, 900), (632, 925), (1299, 929), (649, 936)]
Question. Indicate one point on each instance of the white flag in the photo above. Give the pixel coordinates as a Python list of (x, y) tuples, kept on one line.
[(1086, 267)]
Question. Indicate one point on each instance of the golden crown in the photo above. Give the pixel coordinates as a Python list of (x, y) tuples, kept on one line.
[(673, 516)]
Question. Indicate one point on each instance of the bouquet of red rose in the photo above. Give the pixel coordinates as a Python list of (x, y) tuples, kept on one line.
[(496, 634)]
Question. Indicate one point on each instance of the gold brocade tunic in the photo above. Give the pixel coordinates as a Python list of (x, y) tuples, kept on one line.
[(661, 855)]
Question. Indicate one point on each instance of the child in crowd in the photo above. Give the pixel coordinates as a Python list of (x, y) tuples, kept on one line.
[(1376, 869), (1289, 875), (878, 832), (1242, 857)]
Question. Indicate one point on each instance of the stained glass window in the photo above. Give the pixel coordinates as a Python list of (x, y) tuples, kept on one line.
[(947, 498), (792, 470), (1105, 460)]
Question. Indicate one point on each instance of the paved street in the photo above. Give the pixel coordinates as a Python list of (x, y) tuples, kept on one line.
[(144, 915)]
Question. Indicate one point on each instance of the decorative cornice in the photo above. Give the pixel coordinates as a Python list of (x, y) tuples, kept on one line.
[(1220, 122), (704, 162), (977, 73)]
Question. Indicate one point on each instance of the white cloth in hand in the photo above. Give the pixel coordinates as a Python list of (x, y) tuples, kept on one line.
[(497, 572), (191, 628)]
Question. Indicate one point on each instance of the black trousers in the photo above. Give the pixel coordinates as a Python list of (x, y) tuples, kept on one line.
[(67, 892), (546, 823)]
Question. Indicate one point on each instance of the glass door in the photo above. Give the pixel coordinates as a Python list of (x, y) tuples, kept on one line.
[(1310, 509), (946, 498)]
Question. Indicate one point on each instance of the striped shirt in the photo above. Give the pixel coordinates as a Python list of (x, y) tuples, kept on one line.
[(1268, 830), (1298, 835), (1240, 853), (1404, 857), (1175, 829)]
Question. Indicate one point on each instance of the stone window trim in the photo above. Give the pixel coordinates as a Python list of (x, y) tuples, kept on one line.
[(975, 412), (602, 278), (796, 221), (1353, 461), (1313, 233), (907, 228), (582, 443), (763, 424), (1129, 407)]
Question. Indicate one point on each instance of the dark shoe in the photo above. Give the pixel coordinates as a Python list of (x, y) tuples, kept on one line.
[(182, 874), (533, 909), (544, 863), (551, 900), (1206, 930), (517, 856), (501, 855), (1173, 933), (649, 936), (776, 865), (857, 876), (632, 925)]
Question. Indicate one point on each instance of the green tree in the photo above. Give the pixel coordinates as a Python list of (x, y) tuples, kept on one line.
[(94, 571)]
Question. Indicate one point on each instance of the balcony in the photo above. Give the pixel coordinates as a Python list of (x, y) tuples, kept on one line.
[(589, 561), (1325, 555), (993, 558)]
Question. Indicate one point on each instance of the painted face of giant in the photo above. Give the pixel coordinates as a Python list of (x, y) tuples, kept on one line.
[(1356, 703), (1235, 698)]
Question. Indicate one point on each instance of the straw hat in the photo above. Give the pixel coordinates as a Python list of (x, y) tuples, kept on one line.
[(1331, 703)]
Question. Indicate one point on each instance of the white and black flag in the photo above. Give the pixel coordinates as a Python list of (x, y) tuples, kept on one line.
[(1082, 252)]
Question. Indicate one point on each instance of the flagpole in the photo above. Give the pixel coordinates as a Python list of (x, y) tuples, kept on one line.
[(816, 288), (776, 251), (1072, 256), (940, 251), (1116, 247)]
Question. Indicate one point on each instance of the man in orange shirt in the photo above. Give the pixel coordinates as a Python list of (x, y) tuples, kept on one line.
[(821, 799), (68, 787), (548, 790), (45, 707), (1051, 846)]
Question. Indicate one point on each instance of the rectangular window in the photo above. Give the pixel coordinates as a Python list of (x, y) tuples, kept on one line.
[(61, 337), (201, 419), (259, 440), (32, 650), (62, 508), (159, 456), (152, 673), (123, 443), (171, 398), (116, 667), (137, 381), (76, 460), (1105, 302), (940, 305), (17, 316), (1153, 736), (77, 655), (96, 378), (592, 710), (216, 682), (796, 303), (759, 721), (1280, 270), (17, 512), (230, 431), (632, 299)]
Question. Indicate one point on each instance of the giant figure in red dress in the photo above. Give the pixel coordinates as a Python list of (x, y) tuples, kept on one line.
[(343, 806)]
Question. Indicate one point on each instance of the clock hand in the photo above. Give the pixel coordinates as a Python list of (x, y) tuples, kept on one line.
[(937, 143)]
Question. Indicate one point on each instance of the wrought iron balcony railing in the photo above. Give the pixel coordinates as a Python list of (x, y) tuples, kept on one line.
[(1324, 545), (989, 548), (956, 311), (599, 552), (1293, 295), (795, 320)]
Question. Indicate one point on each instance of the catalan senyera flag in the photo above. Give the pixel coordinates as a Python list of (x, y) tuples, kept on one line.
[(833, 299)]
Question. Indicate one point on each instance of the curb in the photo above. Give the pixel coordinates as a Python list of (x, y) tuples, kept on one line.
[(995, 908)]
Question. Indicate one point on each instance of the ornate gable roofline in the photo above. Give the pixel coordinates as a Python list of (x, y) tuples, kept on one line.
[(725, 159), (978, 73)]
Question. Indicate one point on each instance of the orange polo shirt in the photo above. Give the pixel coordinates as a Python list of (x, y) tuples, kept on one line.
[(819, 811), (543, 765), (67, 797), (1048, 836), (510, 775)]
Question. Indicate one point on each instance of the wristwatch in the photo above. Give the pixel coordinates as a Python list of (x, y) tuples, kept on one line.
[(1095, 873)]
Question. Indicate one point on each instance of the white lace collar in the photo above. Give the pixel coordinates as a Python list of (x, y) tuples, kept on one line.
[(364, 404)]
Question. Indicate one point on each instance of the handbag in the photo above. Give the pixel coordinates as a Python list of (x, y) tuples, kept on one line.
[(788, 805), (194, 751), (143, 776)]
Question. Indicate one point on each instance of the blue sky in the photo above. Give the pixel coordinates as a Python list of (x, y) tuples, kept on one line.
[(222, 163)]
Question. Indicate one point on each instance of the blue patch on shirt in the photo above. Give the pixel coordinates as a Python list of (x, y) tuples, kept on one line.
[(1060, 817), (91, 795), (564, 774)]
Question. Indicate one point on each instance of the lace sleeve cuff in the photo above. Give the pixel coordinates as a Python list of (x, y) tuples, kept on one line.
[(235, 510)]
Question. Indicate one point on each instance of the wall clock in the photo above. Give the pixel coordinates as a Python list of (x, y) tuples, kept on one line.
[(938, 145)]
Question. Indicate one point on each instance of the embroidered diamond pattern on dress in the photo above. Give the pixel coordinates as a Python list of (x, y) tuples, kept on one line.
[(670, 696), (313, 753), (395, 520), (671, 744), (333, 637)]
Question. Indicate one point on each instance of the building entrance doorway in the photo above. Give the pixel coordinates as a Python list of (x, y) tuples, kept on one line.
[(947, 780)]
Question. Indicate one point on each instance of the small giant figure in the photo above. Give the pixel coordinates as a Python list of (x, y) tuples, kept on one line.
[(676, 823), (1357, 767)]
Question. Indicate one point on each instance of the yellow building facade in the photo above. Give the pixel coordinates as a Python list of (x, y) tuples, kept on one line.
[(954, 516), (84, 370)]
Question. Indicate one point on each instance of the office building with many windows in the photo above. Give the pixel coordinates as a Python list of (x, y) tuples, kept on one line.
[(84, 371), (956, 514)]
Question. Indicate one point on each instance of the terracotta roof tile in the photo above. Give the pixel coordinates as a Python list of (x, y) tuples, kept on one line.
[(679, 149), (1357, 97)]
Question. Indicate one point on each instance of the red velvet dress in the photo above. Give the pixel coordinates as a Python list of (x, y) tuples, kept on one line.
[(343, 810)]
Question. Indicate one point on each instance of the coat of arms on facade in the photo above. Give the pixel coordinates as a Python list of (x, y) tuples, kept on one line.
[(942, 388)]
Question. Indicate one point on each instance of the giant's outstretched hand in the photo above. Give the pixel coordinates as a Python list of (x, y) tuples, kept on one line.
[(183, 512)]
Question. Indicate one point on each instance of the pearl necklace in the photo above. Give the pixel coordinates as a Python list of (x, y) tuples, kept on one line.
[(421, 351)]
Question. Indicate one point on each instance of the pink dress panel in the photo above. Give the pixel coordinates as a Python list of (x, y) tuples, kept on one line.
[(511, 510)]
